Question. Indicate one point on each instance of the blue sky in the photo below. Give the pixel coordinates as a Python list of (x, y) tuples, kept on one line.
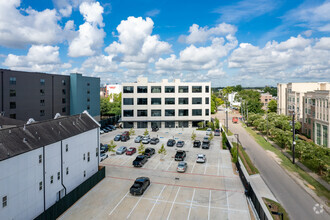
[(252, 43)]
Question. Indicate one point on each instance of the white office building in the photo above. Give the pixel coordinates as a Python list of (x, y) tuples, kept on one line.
[(112, 89), (42, 162), (165, 104)]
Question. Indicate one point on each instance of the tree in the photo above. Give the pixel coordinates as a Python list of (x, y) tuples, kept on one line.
[(162, 151), (211, 136), (271, 90), (131, 131), (217, 123), (108, 108), (272, 106), (141, 148), (224, 140), (200, 124), (146, 132), (112, 146), (210, 124), (234, 154), (193, 136)]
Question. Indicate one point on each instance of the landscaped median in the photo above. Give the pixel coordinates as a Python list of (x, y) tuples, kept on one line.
[(251, 169), (276, 209)]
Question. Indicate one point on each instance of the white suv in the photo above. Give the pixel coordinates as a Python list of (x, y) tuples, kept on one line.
[(209, 131), (201, 158)]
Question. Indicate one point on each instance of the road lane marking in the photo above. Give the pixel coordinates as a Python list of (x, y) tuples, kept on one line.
[(169, 165), (156, 202), (205, 168), (193, 167), (173, 203), (118, 203), (192, 200), (208, 215)]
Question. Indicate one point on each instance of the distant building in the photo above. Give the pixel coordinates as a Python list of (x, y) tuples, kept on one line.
[(42, 162), (231, 99), (40, 96), (113, 89), (265, 99), (103, 92), (165, 104)]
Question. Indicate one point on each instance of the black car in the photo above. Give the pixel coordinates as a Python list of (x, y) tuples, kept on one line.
[(206, 144), (180, 143), (140, 185), (171, 142), (109, 128), (180, 155), (155, 129), (197, 143), (117, 137), (149, 152), (154, 140), (104, 148), (105, 130), (124, 138), (140, 160)]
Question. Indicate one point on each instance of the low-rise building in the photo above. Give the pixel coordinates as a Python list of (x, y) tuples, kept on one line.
[(265, 99), (42, 162), (113, 89)]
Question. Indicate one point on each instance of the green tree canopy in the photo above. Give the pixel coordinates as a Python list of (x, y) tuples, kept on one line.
[(272, 106)]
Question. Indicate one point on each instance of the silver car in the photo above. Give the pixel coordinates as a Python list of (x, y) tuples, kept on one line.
[(146, 140), (201, 158), (138, 139), (209, 131), (121, 150), (182, 167), (103, 156)]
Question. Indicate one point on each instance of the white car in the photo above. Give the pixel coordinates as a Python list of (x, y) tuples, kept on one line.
[(121, 150), (209, 131), (103, 156), (146, 140), (201, 158)]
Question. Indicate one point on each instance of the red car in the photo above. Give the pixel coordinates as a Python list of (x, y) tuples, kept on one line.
[(235, 120), (131, 151)]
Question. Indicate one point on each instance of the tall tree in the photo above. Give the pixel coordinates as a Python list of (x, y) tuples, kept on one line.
[(272, 106)]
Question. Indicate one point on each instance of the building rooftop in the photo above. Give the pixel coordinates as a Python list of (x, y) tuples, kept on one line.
[(27, 137), (9, 121)]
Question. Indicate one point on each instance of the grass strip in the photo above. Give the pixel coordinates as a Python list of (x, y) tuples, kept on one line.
[(276, 207), (251, 169)]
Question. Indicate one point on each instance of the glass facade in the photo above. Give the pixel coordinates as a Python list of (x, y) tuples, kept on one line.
[(142, 113), (169, 112), (196, 101), (128, 89), (128, 101), (183, 89), (156, 101), (183, 112), (142, 89), (169, 101), (142, 124), (197, 112), (156, 113), (183, 101), (142, 101), (169, 124), (169, 89), (128, 113), (197, 89), (156, 89)]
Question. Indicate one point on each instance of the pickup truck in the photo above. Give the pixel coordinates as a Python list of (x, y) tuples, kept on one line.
[(180, 155), (140, 161), (235, 120)]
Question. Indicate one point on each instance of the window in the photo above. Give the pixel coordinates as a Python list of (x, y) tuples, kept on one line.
[(88, 107), (42, 102), (142, 101), (84, 157), (42, 112), (40, 185), (128, 89), (156, 113), (63, 91), (183, 101), (67, 171), (169, 112), (88, 92), (142, 124), (157, 124), (12, 116), (197, 112), (156, 89), (88, 157), (97, 151), (142, 113), (40, 158), (196, 89), (42, 82), (12, 93), (63, 82), (42, 92), (183, 112), (196, 101), (183, 89), (128, 101), (156, 101), (169, 124), (12, 105), (66, 148), (142, 89), (12, 80), (63, 109), (169, 89), (184, 124), (84, 173), (207, 89), (88, 99), (169, 101), (88, 84), (58, 175), (207, 100), (207, 112), (51, 179), (128, 113)]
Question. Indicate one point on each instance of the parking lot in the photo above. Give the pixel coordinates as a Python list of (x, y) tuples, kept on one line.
[(205, 191)]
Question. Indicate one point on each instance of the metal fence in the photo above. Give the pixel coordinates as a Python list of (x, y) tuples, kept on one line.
[(110, 121), (67, 201)]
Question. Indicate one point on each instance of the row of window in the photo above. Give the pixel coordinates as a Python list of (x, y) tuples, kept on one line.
[(12, 81), (168, 112), (167, 101), (167, 89)]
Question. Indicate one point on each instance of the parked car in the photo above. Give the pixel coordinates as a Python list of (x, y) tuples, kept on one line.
[(182, 167), (206, 138), (201, 158), (140, 160), (217, 132), (109, 128), (155, 129), (235, 120), (121, 150), (125, 133), (180, 143), (140, 185), (180, 155), (104, 148), (145, 140), (209, 131), (138, 139), (206, 144), (171, 142), (117, 137), (101, 131), (154, 141), (149, 152), (105, 130), (197, 143), (112, 127), (131, 151), (103, 156)]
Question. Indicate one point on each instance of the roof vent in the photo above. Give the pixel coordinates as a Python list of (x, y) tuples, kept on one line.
[(30, 121), (57, 115)]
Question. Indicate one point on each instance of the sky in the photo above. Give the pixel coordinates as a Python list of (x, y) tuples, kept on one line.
[(246, 42)]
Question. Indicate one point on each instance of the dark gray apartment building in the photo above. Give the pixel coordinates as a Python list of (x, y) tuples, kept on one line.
[(40, 96)]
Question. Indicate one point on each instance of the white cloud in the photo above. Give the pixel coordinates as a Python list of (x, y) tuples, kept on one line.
[(90, 35), (153, 13), (39, 58), (18, 30), (202, 34)]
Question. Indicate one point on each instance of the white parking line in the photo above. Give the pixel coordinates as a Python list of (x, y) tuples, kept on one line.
[(118, 203), (205, 168), (208, 215), (173, 203), (156, 202), (227, 205), (169, 165), (191, 202), (137, 203), (193, 167), (125, 159), (159, 163)]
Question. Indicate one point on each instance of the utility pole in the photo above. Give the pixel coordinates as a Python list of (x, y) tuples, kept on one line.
[(267, 123), (226, 117), (293, 136), (237, 139)]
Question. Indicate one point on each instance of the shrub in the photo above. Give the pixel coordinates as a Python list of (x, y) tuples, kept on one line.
[(224, 140)]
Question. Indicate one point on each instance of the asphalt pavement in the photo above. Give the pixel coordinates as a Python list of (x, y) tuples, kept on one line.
[(296, 201)]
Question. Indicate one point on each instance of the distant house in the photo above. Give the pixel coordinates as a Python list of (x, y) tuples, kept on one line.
[(265, 99)]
